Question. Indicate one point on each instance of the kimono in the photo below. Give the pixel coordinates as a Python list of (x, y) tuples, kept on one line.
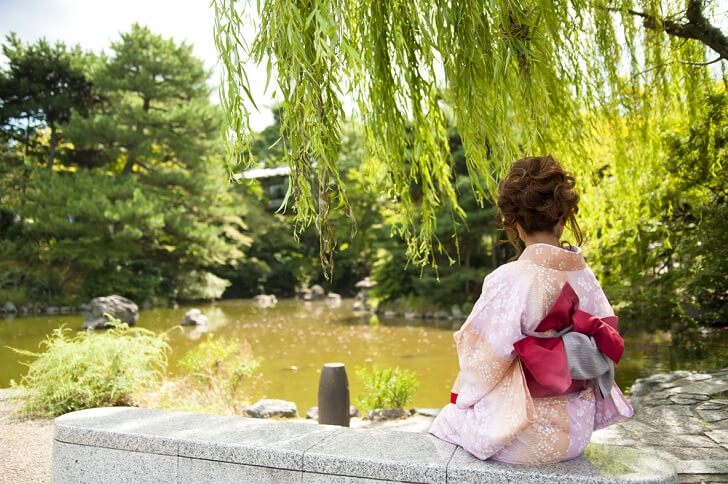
[(513, 399)]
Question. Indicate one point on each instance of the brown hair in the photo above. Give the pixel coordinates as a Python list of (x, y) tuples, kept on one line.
[(536, 194)]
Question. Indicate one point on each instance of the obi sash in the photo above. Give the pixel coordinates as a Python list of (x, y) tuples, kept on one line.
[(544, 358)]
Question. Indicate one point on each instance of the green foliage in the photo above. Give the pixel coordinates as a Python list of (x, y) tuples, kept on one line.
[(41, 87), (218, 361), (466, 251), (666, 255), (386, 387), (156, 119), (519, 77), (218, 376), (138, 204), (278, 260), (92, 369)]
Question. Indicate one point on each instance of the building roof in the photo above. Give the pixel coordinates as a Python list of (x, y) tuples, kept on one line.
[(257, 173)]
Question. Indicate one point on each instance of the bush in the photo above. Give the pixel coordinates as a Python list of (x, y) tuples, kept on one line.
[(200, 286), (386, 387), (218, 377), (92, 369)]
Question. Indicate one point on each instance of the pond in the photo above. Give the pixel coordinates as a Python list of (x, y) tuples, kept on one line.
[(294, 339)]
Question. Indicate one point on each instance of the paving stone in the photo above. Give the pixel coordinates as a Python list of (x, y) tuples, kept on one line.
[(719, 436), (699, 377), (702, 478), (714, 404), (713, 415), (660, 439), (712, 387), (693, 453), (695, 396), (615, 435), (702, 466), (662, 377), (674, 419), (635, 426)]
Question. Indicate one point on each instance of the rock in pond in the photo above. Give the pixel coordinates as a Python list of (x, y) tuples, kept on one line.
[(266, 300), (118, 307), (9, 308), (194, 317), (313, 293), (271, 408)]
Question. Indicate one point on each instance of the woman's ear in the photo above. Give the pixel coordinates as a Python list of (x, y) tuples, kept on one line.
[(521, 232)]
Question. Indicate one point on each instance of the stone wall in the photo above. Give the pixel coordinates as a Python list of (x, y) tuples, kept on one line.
[(142, 445)]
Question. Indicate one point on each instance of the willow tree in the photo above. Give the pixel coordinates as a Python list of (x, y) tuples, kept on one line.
[(515, 76)]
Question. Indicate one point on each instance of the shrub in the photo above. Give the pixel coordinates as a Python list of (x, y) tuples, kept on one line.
[(218, 376), (200, 286), (386, 387), (92, 369)]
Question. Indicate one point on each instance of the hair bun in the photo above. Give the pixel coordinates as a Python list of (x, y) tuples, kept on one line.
[(537, 194)]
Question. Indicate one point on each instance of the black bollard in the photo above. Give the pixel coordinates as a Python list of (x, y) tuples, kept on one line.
[(333, 395)]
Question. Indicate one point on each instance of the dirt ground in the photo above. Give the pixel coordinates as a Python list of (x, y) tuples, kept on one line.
[(25, 445)]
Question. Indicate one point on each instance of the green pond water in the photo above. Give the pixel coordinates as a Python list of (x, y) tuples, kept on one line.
[(294, 339)]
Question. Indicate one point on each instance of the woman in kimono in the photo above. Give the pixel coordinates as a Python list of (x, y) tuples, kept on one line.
[(537, 352)]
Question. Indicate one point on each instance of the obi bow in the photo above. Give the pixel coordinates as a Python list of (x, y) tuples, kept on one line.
[(545, 357)]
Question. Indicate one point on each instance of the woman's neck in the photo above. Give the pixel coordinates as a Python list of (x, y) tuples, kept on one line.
[(541, 238)]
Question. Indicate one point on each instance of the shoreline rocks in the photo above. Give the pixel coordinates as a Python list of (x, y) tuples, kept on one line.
[(312, 413), (9, 308), (388, 414), (272, 408)]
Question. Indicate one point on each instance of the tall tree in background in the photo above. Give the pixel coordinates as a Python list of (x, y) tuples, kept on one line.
[(142, 206), (521, 76), (157, 112), (41, 87)]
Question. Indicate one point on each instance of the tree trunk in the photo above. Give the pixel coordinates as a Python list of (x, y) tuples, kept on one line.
[(27, 137), (128, 167), (52, 150)]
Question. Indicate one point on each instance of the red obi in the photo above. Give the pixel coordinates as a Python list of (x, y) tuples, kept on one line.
[(544, 359)]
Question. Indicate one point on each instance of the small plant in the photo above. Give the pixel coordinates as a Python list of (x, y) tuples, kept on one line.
[(386, 387), (217, 377), (92, 369)]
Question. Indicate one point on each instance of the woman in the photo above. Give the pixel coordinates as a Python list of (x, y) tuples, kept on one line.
[(537, 351)]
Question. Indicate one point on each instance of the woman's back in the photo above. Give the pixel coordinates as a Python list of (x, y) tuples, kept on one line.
[(515, 399)]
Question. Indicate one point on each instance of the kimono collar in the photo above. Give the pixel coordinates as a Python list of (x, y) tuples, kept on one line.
[(562, 259)]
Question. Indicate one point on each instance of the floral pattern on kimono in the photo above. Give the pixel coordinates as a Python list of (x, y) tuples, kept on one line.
[(494, 415)]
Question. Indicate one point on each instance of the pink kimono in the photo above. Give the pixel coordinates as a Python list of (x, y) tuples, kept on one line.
[(494, 414)]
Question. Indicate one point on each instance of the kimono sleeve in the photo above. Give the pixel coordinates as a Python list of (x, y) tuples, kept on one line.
[(493, 403)]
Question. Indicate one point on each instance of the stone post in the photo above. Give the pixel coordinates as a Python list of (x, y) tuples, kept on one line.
[(333, 395)]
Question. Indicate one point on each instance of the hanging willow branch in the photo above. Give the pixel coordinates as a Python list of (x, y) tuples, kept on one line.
[(517, 75)]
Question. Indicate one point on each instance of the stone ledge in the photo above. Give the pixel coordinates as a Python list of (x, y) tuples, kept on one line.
[(145, 445)]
